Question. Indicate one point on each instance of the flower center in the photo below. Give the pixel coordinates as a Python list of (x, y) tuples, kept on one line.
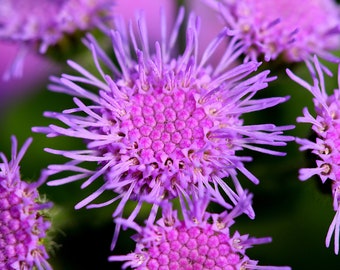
[(192, 248), (166, 123), (18, 222)]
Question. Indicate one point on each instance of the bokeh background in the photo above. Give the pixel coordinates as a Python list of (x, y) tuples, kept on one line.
[(295, 214)]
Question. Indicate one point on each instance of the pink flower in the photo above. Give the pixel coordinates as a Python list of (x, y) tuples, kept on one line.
[(326, 145), (23, 223), (271, 29), (161, 125), (202, 240), (44, 23)]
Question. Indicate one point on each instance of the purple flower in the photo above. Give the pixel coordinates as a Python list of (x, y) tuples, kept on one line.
[(23, 224), (326, 145), (162, 125), (202, 240), (294, 31), (44, 23)]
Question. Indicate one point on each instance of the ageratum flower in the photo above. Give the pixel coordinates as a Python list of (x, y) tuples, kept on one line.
[(44, 23), (271, 29), (160, 124), (23, 223), (202, 240), (326, 145)]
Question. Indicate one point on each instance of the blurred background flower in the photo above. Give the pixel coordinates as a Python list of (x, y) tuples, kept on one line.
[(36, 71), (272, 29), (42, 24)]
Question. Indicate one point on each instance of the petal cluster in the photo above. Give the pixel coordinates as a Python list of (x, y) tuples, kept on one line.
[(200, 241), (162, 126), (325, 145), (23, 224), (46, 22), (294, 31)]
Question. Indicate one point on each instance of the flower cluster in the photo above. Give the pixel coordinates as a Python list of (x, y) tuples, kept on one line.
[(271, 29), (23, 223), (325, 146), (26, 22), (202, 240), (163, 124)]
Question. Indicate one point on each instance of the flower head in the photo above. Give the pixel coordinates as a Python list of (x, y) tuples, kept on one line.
[(44, 23), (326, 145), (23, 224), (162, 126), (202, 240), (281, 28)]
